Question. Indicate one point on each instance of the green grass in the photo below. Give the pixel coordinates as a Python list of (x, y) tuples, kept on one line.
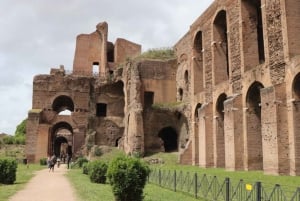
[(170, 163), (287, 183), (87, 191), (23, 176)]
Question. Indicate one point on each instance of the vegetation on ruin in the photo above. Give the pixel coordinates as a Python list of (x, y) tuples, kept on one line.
[(24, 174), (159, 53), (166, 105)]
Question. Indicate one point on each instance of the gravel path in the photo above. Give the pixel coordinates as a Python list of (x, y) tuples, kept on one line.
[(47, 186)]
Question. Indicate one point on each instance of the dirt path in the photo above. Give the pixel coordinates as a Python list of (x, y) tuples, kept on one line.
[(47, 186)]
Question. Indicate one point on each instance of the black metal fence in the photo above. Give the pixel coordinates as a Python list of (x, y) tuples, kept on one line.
[(211, 188)]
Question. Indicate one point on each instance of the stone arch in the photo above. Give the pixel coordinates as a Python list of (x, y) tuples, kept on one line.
[(61, 103), (253, 41), (254, 133), (196, 134), (296, 87), (220, 48), (61, 133), (198, 62), (170, 138), (219, 132), (296, 125)]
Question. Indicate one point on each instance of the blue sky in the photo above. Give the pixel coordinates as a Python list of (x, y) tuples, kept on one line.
[(37, 35)]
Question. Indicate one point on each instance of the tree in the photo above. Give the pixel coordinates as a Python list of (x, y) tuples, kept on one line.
[(21, 128)]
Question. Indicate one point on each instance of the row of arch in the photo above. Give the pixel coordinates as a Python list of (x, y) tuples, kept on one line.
[(253, 43), (254, 139), (253, 122)]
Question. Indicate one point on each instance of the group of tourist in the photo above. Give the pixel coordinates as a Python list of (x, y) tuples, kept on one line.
[(51, 161)]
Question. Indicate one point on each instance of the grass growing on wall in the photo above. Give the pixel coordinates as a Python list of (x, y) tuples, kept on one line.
[(160, 53)]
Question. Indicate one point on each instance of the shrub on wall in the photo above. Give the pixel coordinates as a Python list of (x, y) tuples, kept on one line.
[(8, 170), (128, 176), (97, 171)]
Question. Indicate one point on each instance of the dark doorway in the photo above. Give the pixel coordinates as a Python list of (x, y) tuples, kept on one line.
[(169, 137), (101, 110), (58, 145), (148, 98)]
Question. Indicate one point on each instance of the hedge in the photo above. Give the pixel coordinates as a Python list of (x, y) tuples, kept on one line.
[(8, 170)]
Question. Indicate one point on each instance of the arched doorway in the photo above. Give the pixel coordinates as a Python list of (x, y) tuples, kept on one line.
[(296, 120), (198, 63), (61, 140), (170, 139), (196, 134), (220, 48), (219, 122), (254, 134)]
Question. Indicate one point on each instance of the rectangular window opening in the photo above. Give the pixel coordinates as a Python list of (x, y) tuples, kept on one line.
[(148, 98), (101, 110)]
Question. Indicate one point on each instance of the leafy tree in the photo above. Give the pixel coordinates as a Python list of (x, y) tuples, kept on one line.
[(21, 128)]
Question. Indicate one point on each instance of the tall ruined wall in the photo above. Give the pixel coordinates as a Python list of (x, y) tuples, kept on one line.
[(233, 51), (159, 77), (125, 49), (91, 49)]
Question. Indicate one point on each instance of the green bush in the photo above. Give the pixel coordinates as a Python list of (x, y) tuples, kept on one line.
[(128, 176), (19, 140), (80, 161), (85, 168), (8, 170), (97, 171), (43, 161), (8, 140)]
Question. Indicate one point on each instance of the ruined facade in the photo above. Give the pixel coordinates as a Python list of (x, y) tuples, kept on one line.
[(235, 82)]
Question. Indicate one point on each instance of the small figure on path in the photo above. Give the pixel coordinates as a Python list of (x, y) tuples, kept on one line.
[(52, 163)]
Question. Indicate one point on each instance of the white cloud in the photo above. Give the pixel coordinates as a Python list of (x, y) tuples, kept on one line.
[(37, 35)]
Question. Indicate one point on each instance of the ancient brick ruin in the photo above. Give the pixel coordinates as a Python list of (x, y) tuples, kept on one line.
[(231, 97)]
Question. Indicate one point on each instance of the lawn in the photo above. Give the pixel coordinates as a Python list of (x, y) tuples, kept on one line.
[(87, 191), (23, 176)]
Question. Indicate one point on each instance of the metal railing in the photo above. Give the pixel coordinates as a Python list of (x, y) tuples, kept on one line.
[(211, 188)]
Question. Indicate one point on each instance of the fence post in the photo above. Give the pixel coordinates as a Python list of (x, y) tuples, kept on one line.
[(258, 191), (175, 184), (159, 177), (227, 189), (196, 185)]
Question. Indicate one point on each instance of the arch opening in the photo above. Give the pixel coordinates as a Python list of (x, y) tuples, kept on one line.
[(220, 48), (296, 119), (219, 122), (198, 63), (170, 139), (254, 134), (296, 87), (196, 134), (253, 41), (62, 103), (61, 140)]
